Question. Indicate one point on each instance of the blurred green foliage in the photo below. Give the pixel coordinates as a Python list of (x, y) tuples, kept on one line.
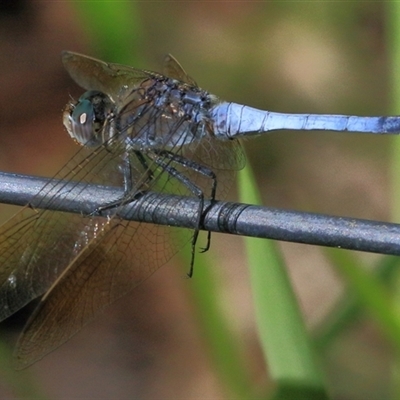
[(323, 57)]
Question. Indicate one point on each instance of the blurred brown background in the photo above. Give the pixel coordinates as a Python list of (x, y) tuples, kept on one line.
[(292, 57)]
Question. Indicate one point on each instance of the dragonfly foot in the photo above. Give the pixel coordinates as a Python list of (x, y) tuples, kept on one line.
[(99, 212)]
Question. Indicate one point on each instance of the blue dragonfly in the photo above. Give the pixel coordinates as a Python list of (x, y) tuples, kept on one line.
[(138, 130)]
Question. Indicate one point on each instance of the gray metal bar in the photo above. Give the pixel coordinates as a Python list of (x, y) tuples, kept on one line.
[(225, 217)]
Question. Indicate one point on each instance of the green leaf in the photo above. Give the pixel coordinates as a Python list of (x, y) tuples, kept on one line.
[(284, 338)]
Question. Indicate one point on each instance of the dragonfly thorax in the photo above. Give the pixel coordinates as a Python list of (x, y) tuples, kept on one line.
[(163, 114)]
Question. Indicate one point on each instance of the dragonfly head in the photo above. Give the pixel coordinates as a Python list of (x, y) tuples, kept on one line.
[(86, 119)]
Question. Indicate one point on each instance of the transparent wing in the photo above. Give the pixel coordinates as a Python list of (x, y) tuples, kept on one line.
[(224, 158), (100, 275), (114, 79), (174, 70), (36, 246), (85, 263)]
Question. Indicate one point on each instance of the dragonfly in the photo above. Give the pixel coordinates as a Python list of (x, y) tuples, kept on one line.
[(139, 130)]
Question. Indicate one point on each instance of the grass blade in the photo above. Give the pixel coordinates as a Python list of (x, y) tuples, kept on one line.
[(282, 331)]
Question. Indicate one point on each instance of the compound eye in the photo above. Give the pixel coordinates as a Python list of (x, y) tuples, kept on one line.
[(86, 120)]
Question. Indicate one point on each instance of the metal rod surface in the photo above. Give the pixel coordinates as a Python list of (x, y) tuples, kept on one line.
[(225, 217)]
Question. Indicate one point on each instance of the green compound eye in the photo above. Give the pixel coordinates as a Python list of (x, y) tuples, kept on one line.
[(85, 120)]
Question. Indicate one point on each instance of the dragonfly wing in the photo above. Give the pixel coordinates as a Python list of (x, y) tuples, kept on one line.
[(36, 246), (218, 154), (113, 79), (36, 250), (224, 158), (12, 234), (173, 69), (101, 274)]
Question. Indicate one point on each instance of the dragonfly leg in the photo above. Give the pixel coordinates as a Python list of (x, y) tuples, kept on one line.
[(201, 169), (148, 171), (132, 190), (193, 165), (128, 195)]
